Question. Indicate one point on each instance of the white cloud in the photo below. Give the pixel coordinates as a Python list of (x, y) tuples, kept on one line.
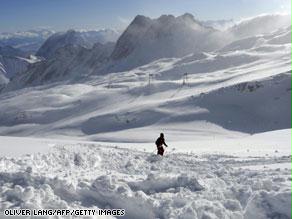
[(123, 20)]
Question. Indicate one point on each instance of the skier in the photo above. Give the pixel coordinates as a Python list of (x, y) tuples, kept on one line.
[(159, 143)]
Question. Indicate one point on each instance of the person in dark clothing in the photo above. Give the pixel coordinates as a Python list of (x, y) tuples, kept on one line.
[(159, 143)]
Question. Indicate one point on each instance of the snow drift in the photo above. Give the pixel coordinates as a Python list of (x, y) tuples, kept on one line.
[(146, 186)]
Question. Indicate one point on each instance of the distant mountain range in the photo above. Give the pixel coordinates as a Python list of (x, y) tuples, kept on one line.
[(32, 40), (85, 39), (74, 54), (16, 48), (28, 41)]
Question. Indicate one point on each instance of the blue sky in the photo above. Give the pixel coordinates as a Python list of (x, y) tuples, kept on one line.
[(94, 14)]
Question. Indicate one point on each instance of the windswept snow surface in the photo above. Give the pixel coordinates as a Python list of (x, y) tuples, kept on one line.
[(179, 185)]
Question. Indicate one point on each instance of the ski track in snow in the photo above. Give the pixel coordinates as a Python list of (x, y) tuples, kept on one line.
[(179, 185)]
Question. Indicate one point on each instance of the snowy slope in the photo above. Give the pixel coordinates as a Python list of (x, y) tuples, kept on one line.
[(261, 24), (13, 65), (13, 61), (179, 185)]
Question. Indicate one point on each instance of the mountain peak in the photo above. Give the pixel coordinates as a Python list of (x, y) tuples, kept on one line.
[(71, 31), (147, 39), (188, 16), (141, 20), (166, 18)]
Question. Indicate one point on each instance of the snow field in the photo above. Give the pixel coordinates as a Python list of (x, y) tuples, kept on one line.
[(179, 185)]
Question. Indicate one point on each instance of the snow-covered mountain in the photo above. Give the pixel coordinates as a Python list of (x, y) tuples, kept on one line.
[(85, 39), (70, 62), (13, 61), (143, 41), (148, 39), (13, 65), (224, 91), (262, 24), (28, 41), (69, 56)]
